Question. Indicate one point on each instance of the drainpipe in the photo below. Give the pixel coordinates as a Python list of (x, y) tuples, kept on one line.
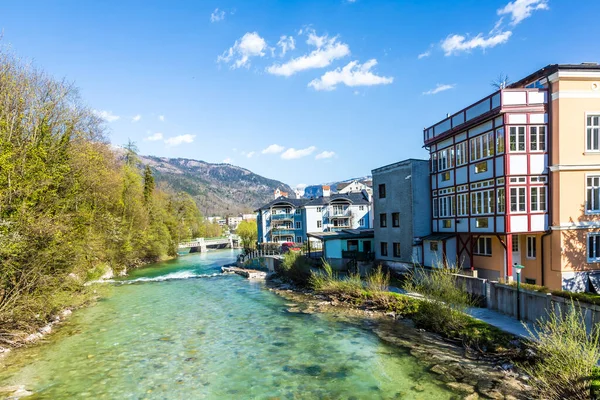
[(548, 232), (549, 196)]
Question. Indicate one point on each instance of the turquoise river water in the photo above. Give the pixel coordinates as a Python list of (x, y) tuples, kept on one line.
[(181, 330)]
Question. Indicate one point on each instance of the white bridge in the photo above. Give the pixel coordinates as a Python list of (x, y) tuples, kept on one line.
[(203, 244)]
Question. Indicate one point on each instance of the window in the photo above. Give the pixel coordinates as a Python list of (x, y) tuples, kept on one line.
[(298, 239), (482, 202), (482, 146), (298, 225), (517, 199), (298, 211), (352, 245), (395, 220), (319, 209), (501, 200), (481, 223), (382, 191), (433, 246), (516, 138), (531, 247), (446, 206), (361, 222), (461, 153), (361, 208), (445, 159), (593, 194), (593, 250), (537, 197), (515, 244), (537, 138), (319, 224), (435, 208), (383, 220), (483, 247), (396, 249), (384, 249), (481, 167), (446, 176), (530, 281), (433, 162), (500, 141), (593, 132), (447, 223), (462, 204)]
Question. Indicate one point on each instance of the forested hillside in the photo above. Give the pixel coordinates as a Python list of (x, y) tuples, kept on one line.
[(70, 208), (219, 189)]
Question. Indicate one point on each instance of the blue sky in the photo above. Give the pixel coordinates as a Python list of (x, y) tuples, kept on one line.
[(300, 91)]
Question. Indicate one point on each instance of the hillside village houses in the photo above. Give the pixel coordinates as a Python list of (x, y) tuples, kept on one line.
[(514, 179)]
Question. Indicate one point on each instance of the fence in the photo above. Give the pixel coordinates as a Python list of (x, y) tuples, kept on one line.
[(535, 305)]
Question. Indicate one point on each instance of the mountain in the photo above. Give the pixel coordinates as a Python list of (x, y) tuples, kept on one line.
[(317, 190), (219, 189)]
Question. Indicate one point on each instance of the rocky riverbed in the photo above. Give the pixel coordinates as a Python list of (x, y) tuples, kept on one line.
[(470, 374)]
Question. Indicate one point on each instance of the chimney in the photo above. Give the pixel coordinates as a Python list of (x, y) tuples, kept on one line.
[(326, 191)]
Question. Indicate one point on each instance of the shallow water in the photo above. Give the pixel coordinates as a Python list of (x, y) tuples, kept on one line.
[(180, 330)]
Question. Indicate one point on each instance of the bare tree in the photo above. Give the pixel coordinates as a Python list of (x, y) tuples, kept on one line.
[(501, 81)]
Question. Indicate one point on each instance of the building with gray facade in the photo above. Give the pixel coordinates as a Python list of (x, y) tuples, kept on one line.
[(402, 210)]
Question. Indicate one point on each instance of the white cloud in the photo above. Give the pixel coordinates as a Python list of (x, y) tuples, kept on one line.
[(106, 115), (328, 50), (154, 137), (439, 88), (217, 15), (424, 54), (177, 140), (161, 118), (291, 153), (273, 149), (353, 74), (136, 118), (455, 44), (250, 45), (522, 9), (301, 186), (286, 43), (227, 160), (250, 154), (324, 154)]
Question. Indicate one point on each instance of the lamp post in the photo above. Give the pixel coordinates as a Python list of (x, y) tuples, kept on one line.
[(518, 269)]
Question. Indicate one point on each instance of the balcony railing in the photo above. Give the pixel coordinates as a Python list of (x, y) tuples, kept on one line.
[(282, 216), (337, 212), (359, 255), (283, 232)]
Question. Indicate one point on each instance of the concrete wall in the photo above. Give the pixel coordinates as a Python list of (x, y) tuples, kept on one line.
[(408, 193)]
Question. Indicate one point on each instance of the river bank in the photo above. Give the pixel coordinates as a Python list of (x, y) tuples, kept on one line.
[(463, 370)]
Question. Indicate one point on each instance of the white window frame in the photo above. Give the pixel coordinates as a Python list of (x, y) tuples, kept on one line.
[(535, 200), (501, 201), (537, 135), (298, 225), (590, 205), (518, 202), (531, 247), (361, 208), (435, 207), (361, 222), (461, 154), (595, 247), (298, 211), (487, 247), (590, 131), (482, 146), (446, 158), (518, 142), (462, 204), (482, 202), (500, 139), (446, 204), (319, 224), (299, 239), (319, 209)]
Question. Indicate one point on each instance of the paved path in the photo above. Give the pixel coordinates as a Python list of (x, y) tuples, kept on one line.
[(494, 318)]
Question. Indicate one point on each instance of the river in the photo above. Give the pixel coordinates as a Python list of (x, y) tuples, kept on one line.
[(181, 330)]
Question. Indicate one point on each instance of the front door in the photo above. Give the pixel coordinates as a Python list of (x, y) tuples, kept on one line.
[(516, 250)]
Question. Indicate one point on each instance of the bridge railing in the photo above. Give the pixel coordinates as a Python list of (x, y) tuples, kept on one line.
[(258, 254)]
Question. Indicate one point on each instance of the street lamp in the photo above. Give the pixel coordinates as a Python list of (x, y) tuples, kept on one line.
[(518, 269)]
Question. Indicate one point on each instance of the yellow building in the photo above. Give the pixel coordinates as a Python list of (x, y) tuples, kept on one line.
[(515, 179)]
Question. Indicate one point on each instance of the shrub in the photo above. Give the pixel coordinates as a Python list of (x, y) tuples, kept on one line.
[(295, 268), (590, 298), (378, 281), (567, 356), (446, 300)]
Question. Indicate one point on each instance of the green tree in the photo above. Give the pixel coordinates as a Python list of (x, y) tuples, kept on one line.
[(148, 184), (248, 233)]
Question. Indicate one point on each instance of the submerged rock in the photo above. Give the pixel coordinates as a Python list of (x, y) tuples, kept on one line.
[(14, 392), (463, 388)]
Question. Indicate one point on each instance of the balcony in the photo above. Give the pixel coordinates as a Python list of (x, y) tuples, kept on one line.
[(280, 217), (283, 232), (359, 255)]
